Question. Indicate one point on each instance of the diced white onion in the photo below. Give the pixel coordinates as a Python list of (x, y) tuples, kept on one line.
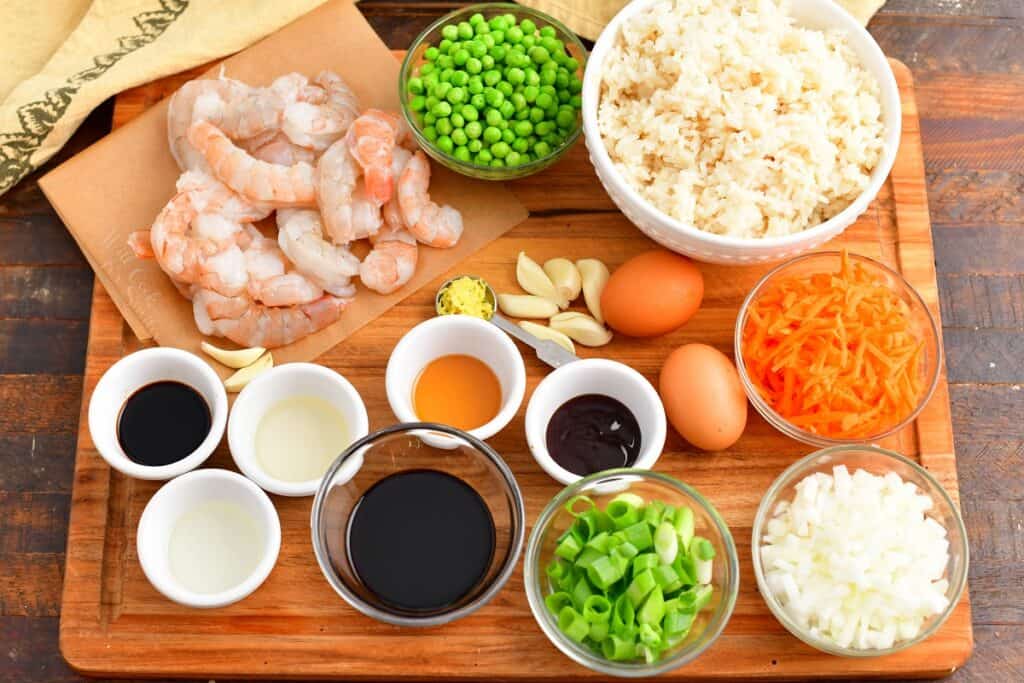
[(854, 560)]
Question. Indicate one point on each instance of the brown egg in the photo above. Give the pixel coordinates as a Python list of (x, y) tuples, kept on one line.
[(703, 397), (652, 293)]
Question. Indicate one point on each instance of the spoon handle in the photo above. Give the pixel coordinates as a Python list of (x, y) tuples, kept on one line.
[(548, 351)]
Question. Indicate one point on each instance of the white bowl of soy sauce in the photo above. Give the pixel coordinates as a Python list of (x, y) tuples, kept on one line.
[(157, 413)]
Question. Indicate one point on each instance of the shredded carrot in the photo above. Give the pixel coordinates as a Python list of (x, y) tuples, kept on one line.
[(836, 354)]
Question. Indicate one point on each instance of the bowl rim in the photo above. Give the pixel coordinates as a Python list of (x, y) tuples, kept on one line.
[(784, 425), (888, 92), (245, 458), (443, 325), (649, 454), (494, 8), (583, 656), (269, 520), (768, 501), (509, 566)]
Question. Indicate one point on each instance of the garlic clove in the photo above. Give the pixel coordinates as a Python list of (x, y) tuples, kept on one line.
[(581, 328), (545, 332), (566, 277), (526, 306), (533, 279), (237, 381), (595, 276), (237, 358)]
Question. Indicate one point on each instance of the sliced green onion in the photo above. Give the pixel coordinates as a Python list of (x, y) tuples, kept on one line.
[(618, 649), (666, 543), (602, 542), (598, 631), (684, 527), (642, 563), (580, 592), (556, 601), (640, 587), (652, 513), (597, 609), (569, 548), (653, 609), (570, 507), (572, 624), (603, 572), (703, 548), (667, 578), (626, 550), (588, 557), (639, 535), (630, 498), (623, 513), (649, 635), (557, 568), (677, 623)]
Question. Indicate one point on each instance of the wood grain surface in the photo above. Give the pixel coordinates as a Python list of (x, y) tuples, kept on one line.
[(968, 61)]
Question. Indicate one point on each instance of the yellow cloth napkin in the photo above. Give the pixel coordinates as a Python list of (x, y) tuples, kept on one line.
[(588, 17), (62, 58)]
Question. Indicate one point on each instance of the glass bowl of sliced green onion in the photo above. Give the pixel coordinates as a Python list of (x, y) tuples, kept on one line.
[(492, 91), (631, 573)]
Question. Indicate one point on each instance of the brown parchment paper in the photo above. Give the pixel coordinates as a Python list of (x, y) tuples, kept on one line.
[(119, 184)]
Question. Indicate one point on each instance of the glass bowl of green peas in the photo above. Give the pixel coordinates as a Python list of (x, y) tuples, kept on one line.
[(631, 573), (492, 91)]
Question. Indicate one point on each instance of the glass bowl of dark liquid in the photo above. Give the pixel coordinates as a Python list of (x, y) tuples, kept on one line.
[(416, 535)]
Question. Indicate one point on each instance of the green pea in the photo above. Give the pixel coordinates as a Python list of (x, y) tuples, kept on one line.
[(426, 70), (510, 19), (549, 89), (418, 103), (450, 32), (566, 119), (430, 133), (572, 64), (522, 115), (497, 163), (492, 77), (484, 156), (476, 19), (488, 40), (551, 44), (497, 23), (465, 30), (430, 80), (457, 120), (446, 75), (508, 136), (494, 96), (500, 150), (518, 101), (542, 149), (445, 144), (499, 36), (559, 58), (548, 32), (469, 112), (532, 77), (431, 102), (507, 109), (529, 28), (444, 126), (491, 134), (442, 109), (444, 46), (482, 28), (514, 34), (561, 79), (528, 42), (477, 48), (575, 85), (498, 53), (544, 100), (520, 145), (564, 96), (444, 62), (475, 85), (487, 61), (548, 76), (530, 92), (460, 57), (461, 153), (459, 136), (475, 146), (544, 127), (525, 158), (415, 85), (505, 88), (477, 101), (474, 130), (459, 78), (523, 128), (503, 125), (513, 158), (457, 95), (576, 101), (429, 119), (493, 117), (431, 53), (552, 65), (515, 75)]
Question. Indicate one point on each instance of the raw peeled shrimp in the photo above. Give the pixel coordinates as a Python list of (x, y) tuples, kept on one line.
[(437, 226), (181, 112), (280, 150), (391, 213), (300, 236), (347, 214), (255, 180), (371, 140), (258, 111), (269, 279), (248, 323), (391, 262), (317, 124)]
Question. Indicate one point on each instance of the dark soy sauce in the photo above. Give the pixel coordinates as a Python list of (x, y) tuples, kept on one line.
[(593, 433), (420, 540), (162, 423)]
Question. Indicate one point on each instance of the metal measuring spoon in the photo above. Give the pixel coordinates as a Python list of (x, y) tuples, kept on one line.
[(547, 351)]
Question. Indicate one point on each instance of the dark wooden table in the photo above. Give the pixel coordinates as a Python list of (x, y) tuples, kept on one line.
[(968, 60)]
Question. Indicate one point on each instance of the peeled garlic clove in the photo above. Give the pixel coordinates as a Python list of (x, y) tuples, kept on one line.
[(534, 280), (582, 328), (595, 276), (237, 381), (233, 358), (566, 277), (544, 332), (526, 306)]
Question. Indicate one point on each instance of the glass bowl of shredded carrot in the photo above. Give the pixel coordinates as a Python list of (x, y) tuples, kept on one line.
[(835, 348)]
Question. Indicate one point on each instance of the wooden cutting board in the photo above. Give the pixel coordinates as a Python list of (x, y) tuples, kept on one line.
[(114, 623)]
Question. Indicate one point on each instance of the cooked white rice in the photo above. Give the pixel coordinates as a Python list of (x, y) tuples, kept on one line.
[(727, 116)]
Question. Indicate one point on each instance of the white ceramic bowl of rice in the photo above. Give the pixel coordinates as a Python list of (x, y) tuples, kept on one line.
[(736, 138)]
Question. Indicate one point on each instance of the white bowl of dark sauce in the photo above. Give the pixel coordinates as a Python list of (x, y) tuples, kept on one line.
[(157, 413), (592, 415)]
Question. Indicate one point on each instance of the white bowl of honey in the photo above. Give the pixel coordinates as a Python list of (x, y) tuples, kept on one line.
[(459, 371)]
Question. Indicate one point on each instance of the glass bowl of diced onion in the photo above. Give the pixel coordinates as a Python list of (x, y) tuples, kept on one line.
[(620, 492), (882, 527)]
